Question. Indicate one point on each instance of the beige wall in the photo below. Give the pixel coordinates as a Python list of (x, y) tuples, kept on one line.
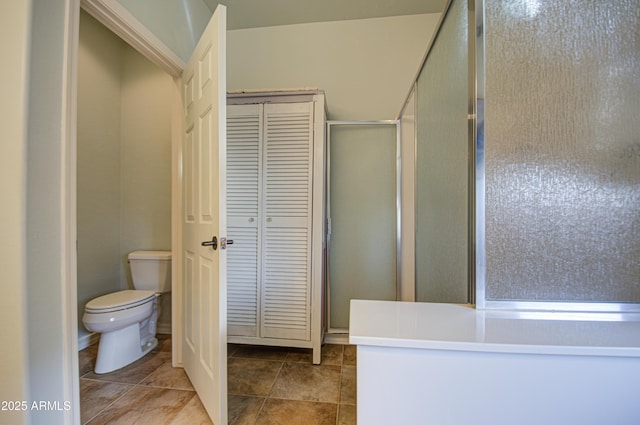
[(15, 25), (124, 157), (365, 66)]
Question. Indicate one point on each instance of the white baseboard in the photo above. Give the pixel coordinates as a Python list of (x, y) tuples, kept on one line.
[(87, 340), (163, 328), (336, 339)]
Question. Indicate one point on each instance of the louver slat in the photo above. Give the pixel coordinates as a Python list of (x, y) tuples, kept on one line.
[(287, 185), (242, 272), (244, 129)]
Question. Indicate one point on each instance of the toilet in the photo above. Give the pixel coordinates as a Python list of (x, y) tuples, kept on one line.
[(127, 319)]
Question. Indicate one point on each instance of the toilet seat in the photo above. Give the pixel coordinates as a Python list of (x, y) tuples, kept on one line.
[(121, 300)]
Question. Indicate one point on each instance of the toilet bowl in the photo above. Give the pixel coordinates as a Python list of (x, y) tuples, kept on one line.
[(121, 317), (127, 319)]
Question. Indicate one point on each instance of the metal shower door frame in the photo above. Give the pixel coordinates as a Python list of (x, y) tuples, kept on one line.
[(330, 123)]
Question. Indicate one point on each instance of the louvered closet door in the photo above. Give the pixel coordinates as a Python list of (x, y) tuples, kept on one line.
[(244, 150), (287, 188)]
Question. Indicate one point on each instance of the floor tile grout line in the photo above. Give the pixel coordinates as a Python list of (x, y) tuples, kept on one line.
[(131, 387), (302, 400), (264, 401), (339, 396), (340, 387), (276, 378), (158, 387), (269, 393), (247, 395), (153, 371)]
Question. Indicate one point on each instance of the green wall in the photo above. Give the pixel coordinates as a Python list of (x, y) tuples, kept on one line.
[(124, 158)]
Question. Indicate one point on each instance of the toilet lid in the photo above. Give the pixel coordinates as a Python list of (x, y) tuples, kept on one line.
[(150, 255), (120, 300)]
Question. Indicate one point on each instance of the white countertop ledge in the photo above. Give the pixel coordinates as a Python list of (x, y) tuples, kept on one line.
[(454, 327)]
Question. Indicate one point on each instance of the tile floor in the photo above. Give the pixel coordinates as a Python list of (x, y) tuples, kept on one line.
[(266, 385)]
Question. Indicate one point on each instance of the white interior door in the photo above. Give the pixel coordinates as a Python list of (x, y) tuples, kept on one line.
[(204, 218)]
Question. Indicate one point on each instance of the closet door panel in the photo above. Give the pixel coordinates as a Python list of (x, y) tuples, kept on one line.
[(287, 192), (244, 151), (286, 284)]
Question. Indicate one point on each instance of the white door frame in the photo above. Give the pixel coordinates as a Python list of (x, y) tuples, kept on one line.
[(119, 20)]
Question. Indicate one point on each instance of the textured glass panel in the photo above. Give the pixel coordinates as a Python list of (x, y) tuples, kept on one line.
[(563, 150), (442, 176), (363, 217)]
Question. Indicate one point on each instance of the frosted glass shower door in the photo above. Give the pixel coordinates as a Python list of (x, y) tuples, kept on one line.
[(562, 151), (362, 240), (442, 165)]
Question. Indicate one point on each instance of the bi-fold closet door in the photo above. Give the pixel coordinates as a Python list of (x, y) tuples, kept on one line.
[(269, 209)]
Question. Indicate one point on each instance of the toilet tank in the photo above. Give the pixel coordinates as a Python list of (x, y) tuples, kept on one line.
[(151, 270)]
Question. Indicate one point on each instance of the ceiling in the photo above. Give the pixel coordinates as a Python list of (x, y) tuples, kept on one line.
[(266, 13)]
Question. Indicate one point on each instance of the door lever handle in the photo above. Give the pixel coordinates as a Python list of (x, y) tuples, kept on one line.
[(224, 242), (212, 243)]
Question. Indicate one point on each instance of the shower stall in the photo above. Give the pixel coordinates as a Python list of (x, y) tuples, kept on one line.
[(527, 156), (524, 118)]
